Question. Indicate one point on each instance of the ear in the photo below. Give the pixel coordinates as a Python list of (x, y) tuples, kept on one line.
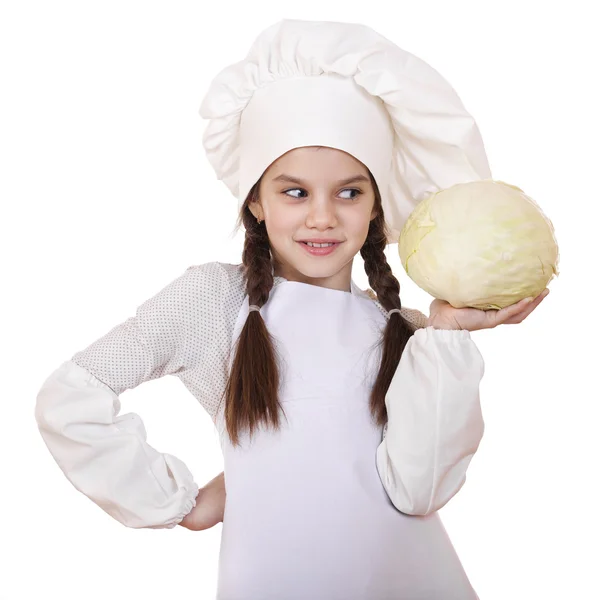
[(255, 209)]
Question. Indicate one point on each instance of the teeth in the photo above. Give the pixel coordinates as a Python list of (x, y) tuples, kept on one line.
[(320, 245)]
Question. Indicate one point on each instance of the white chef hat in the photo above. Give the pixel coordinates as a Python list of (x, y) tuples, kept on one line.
[(342, 85)]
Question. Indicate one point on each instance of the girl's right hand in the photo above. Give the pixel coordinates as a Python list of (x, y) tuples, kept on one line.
[(210, 506)]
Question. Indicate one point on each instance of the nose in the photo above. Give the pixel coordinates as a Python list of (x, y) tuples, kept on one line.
[(321, 213)]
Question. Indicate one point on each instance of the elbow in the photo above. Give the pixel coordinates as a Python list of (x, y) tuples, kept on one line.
[(411, 506), (412, 499), (419, 502), (45, 411), (51, 406), (421, 492), (72, 395), (57, 403)]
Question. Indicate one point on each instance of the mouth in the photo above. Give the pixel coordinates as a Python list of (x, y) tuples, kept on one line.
[(320, 251)]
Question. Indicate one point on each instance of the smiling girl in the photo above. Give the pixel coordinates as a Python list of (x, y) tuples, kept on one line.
[(346, 420)]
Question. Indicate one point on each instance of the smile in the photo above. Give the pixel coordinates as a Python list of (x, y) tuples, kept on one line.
[(318, 250)]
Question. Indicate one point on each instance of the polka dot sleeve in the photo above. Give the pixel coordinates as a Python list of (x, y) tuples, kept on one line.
[(104, 454), (158, 340)]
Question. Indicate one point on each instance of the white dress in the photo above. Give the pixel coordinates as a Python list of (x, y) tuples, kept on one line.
[(368, 503)]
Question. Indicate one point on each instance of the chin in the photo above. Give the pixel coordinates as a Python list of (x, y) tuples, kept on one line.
[(319, 267)]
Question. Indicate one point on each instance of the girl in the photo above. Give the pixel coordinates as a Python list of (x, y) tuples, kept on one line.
[(346, 421)]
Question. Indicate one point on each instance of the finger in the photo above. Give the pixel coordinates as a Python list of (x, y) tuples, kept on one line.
[(528, 309), (509, 312)]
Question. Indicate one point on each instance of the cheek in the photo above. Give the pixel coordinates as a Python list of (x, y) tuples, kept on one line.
[(358, 223), (283, 222)]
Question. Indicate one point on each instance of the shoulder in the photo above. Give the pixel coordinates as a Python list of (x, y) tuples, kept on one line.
[(206, 282), (215, 276), (412, 315), (216, 285), (200, 293)]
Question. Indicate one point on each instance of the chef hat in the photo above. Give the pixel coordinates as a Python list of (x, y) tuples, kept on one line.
[(342, 85)]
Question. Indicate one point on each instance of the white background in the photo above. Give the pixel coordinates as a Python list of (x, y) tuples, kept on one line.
[(107, 196)]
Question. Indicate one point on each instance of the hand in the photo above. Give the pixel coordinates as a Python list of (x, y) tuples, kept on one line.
[(442, 315), (210, 506)]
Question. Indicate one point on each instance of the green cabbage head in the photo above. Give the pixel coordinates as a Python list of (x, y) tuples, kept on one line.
[(482, 244)]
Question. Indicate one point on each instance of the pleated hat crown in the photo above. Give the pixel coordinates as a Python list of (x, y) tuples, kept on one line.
[(342, 85)]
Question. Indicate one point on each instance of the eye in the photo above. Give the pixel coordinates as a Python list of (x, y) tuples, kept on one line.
[(358, 192), (293, 190)]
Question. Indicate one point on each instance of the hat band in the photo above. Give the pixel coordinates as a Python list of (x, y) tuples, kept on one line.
[(321, 110)]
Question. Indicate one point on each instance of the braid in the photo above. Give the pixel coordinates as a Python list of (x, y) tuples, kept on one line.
[(379, 272), (252, 388), (256, 258), (398, 330)]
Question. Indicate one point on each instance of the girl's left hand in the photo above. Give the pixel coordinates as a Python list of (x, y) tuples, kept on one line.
[(210, 506), (443, 315)]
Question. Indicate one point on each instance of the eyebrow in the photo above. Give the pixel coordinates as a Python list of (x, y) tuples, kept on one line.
[(284, 177)]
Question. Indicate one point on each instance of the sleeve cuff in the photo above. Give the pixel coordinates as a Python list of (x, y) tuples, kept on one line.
[(452, 336), (187, 507)]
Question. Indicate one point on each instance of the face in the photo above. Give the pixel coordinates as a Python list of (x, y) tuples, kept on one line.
[(320, 204)]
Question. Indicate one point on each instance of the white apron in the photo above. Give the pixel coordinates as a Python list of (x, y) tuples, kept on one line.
[(306, 515)]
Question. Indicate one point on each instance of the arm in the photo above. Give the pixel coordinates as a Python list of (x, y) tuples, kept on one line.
[(210, 506), (103, 454), (435, 424)]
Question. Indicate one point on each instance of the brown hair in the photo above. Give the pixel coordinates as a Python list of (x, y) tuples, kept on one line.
[(251, 392)]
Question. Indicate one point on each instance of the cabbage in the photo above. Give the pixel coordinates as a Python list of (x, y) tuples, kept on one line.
[(482, 244)]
